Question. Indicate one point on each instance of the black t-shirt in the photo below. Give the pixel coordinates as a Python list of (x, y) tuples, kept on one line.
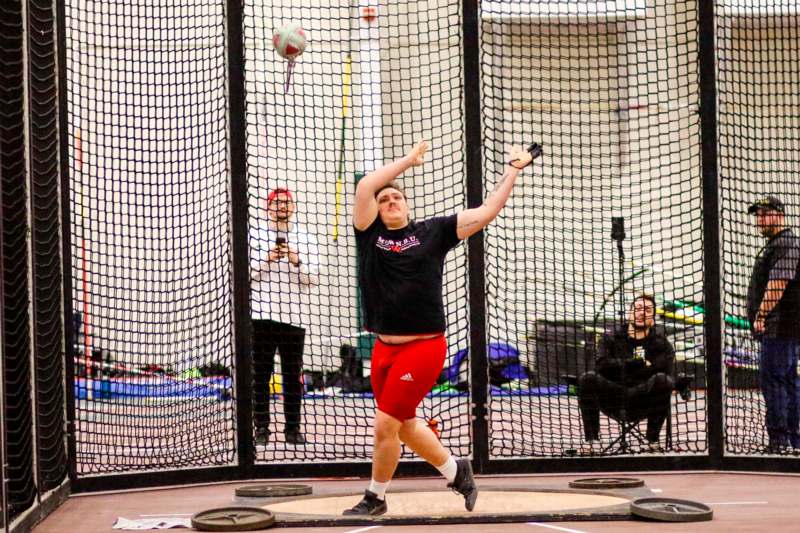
[(401, 275), (778, 260)]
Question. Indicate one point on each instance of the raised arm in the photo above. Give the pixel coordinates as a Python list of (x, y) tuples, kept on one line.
[(473, 220), (366, 208)]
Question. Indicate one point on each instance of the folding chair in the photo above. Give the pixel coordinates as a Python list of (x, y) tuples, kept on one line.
[(628, 420), (627, 429)]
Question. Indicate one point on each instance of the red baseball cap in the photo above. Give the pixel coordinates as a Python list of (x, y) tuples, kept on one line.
[(279, 190)]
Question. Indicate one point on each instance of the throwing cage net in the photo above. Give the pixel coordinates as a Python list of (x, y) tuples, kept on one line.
[(611, 90), (34, 462), (758, 79), (18, 440), (613, 209), (151, 259), (373, 80)]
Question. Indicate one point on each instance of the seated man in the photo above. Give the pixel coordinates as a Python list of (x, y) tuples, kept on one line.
[(632, 379)]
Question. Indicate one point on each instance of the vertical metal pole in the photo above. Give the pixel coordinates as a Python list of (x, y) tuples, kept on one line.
[(66, 237), (47, 318), (3, 448), (711, 227), (477, 269), (367, 35), (240, 248), (371, 109)]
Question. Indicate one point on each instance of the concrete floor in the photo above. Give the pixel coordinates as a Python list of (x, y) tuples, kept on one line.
[(741, 502)]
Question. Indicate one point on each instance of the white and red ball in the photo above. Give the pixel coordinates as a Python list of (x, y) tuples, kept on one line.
[(289, 41)]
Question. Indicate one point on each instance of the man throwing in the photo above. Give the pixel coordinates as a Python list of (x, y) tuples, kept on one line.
[(402, 263)]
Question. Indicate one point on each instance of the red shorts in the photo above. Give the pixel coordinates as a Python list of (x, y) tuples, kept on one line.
[(402, 374)]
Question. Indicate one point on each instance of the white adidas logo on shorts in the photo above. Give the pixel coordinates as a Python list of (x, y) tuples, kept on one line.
[(407, 377)]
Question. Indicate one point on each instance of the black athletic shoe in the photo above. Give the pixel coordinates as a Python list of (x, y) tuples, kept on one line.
[(369, 506), (293, 436), (464, 483), (776, 448)]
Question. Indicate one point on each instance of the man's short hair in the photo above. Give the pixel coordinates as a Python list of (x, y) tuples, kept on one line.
[(644, 296)]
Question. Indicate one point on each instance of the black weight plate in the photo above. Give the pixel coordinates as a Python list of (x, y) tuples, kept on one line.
[(233, 519), (671, 510), (600, 483), (272, 491)]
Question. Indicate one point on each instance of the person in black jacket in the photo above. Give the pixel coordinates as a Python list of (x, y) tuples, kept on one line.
[(633, 375)]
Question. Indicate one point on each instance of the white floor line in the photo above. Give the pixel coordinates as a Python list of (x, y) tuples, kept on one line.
[(657, 491), (168, 514), (362, 529), (555, 527), (736, 503)]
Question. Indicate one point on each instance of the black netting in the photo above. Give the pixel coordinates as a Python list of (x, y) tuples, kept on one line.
[(14, 272), (360, 95), (613, 209), (151, 260), (46, 246), (758, 83), (611, 90)]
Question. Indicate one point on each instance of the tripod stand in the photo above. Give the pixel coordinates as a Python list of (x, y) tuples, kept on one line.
[(618, 234)]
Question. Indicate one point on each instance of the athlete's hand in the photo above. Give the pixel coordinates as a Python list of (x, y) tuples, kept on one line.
[(518, 157), (417, 154)]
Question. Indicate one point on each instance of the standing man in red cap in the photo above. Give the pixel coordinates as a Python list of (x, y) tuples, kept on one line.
[(283, 270), (773, 309)]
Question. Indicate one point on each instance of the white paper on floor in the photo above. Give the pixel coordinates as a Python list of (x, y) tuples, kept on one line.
[(166, 522)]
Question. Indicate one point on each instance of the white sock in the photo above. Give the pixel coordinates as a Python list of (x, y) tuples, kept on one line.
[(449, 469), (379, 489)]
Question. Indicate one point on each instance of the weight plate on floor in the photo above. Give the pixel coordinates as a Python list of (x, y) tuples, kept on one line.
[(272, 491), (233, 519), (671, 510), (601, 483)]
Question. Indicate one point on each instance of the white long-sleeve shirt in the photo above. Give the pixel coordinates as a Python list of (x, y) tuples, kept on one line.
[(279, 290)]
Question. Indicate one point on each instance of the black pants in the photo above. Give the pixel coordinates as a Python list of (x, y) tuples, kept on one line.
[(648, 400), (269, 336)]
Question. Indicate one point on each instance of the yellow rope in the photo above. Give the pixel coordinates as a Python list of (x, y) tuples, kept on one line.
[(339, 181)]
